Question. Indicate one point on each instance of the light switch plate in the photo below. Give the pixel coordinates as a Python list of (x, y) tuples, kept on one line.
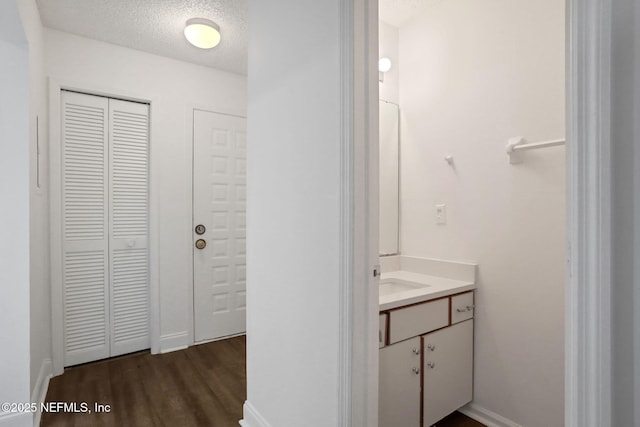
[(441, 214)]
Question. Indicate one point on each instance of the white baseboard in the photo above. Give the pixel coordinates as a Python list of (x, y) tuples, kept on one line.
[(220, 338), (39, 392), (486, 417), (174, 342), (252, 418), (16, 419)]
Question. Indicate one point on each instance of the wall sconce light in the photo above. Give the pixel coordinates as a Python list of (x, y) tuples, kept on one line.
[(202, 33), (384, 65)]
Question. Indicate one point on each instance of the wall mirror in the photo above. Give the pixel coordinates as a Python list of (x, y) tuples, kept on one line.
[(389, 178)]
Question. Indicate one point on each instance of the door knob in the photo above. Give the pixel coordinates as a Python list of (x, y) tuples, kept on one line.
[(201, 244)]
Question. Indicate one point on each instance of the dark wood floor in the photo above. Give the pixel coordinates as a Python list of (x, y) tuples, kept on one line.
[(458, 420), (204, 385)]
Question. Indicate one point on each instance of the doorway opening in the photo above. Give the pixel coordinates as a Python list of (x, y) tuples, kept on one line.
[(466, 79)]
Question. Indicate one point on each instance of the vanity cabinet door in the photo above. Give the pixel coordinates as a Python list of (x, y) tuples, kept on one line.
[(448, 371), (399, 395)]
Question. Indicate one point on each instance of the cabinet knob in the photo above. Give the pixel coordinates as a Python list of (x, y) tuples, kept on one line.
[(431, 365), (431, 347), (416, 351), (416, 371)]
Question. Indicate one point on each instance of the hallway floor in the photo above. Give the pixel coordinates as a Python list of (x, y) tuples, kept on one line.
[(204, 385)]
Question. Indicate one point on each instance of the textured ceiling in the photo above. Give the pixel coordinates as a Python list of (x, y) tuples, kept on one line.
[(399, 12), (156, 26)]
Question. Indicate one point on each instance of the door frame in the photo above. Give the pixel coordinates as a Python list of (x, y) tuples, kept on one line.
[(189, 117), (55, 218), (588, 352), (588, 312)]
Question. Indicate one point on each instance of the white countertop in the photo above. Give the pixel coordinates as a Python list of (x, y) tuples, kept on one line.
[(427, 288)]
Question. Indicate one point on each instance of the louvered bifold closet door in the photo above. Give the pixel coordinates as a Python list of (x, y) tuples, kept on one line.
[(129, 206), (85, 273)]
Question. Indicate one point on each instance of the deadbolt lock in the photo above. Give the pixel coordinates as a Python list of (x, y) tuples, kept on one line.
[(201, 244), (200, 229)]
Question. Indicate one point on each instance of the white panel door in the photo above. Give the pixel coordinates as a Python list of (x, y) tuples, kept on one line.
[(85, 260), (219, 204), (129, 226)]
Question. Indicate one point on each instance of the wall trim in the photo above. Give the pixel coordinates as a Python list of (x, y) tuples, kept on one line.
[(252, 418), (486, 417), (55, 227), (39, 393), (174, 342), (345, 302), (55, 220), (588, 307), (358, 252)]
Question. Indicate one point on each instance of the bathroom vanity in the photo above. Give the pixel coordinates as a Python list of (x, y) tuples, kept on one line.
[(425, 340)]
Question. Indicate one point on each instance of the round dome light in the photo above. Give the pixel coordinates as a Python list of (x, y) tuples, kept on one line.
[(202, 33), (384, 64)]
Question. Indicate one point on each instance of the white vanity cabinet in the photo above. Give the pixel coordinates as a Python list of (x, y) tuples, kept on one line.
[(426, 361), (399, 385)]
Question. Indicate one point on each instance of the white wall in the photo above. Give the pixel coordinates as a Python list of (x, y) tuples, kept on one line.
[(473, 75), (40, 293), (626, 213), (174, 88), (388, 47), (14, 215), (293, 214)]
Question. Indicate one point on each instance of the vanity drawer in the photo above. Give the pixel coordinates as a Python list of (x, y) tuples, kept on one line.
[(418, 319), (382, 331), (462, 307)]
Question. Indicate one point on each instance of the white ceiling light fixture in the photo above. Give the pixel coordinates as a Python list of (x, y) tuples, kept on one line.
[(202, 33), (384, 65)]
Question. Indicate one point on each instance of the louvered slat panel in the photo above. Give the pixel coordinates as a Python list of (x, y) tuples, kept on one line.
[(85, 228), (129, 141), (130, 295), (84, 169), (104, 176), (84, 296), (129, 206)]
